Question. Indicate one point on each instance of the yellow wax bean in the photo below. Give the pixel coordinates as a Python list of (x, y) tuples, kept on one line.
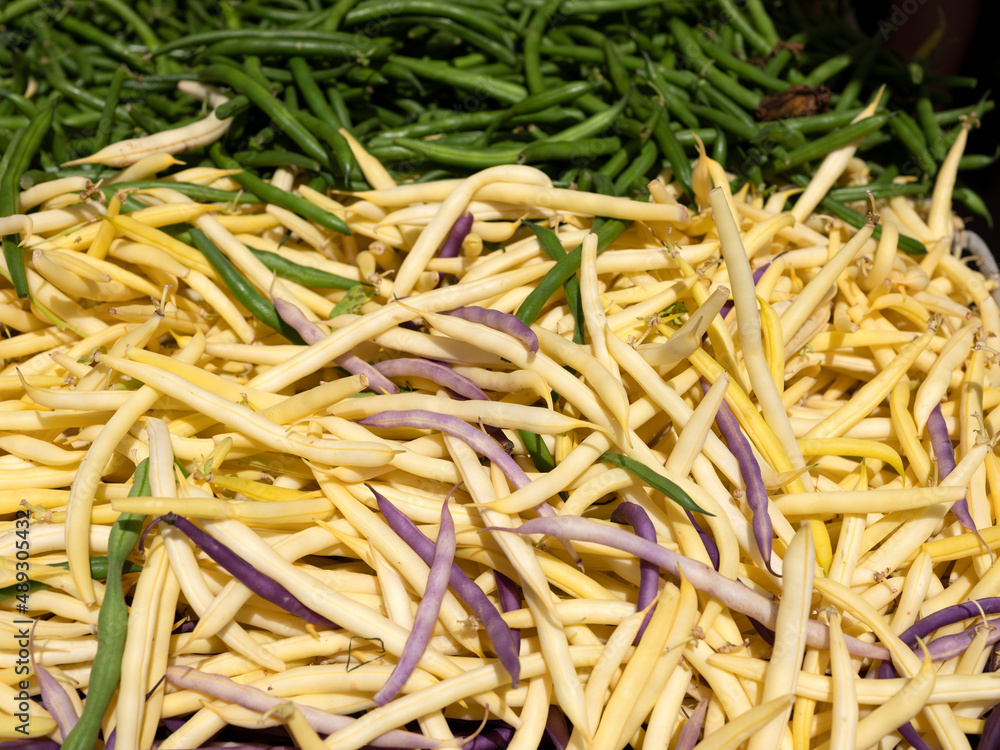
[(870, 501), (869, 395)]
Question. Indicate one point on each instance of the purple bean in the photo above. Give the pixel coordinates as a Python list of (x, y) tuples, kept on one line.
[(990, 737), (56, 700), (757, 275), (255, 699), (428, 611), (509, 594), (732, 594), (993, 664), (944, 452), (556, 728), (435, 372), (501, 321), (649, 573), (688, 737), (497, 630), (949, 616), (311, 333), (492, 738), (706, 539), (923, 627), (948, 646), (752, 480), (500, 436), (459, 231), (909, 733), (259, 583), (479, 441), (39, 743)]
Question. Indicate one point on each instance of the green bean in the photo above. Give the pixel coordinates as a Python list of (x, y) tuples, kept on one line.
[(723, 103), (672, 150), (849, 94), (480, 21), (781, 58), (731, 14), (98, 571), (280, 15), (974, 203), (874, 140), (60, 84), (509, 93), (276, 158), (277, 196), (500, 52), (686, 38), (816, 123), (538, 451), (258, 305), (733, 124), (671, 95), (949, 116), (461, 156), (9, 178), (857, 220), (581, 149), (14, 122), (617, 73), (339, 107), (720, 149), (284, 119), (588, 7), (978, 161), (206, 38), (637, 169), (595, 123), (16, 160), (252, 66), (828, 69), (113, 46), (910, 135), (952, 82), (112, 622), (932, 129), (373, 49), (832, 141), (304, 275), (336, 15), (201, 193), (880, 192), (449, 123), (18, 8), (565, 267), (764, 24), (612, 167), (107, 121), (742, 68), (686, 137), (342, 152), (23, 105), (654, 479), (583, 53), (552, 247), (235, 106)]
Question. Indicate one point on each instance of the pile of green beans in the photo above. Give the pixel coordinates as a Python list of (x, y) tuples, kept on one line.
[(591, 91)]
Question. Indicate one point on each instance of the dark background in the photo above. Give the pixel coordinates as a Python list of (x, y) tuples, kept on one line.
[(968, 47)]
